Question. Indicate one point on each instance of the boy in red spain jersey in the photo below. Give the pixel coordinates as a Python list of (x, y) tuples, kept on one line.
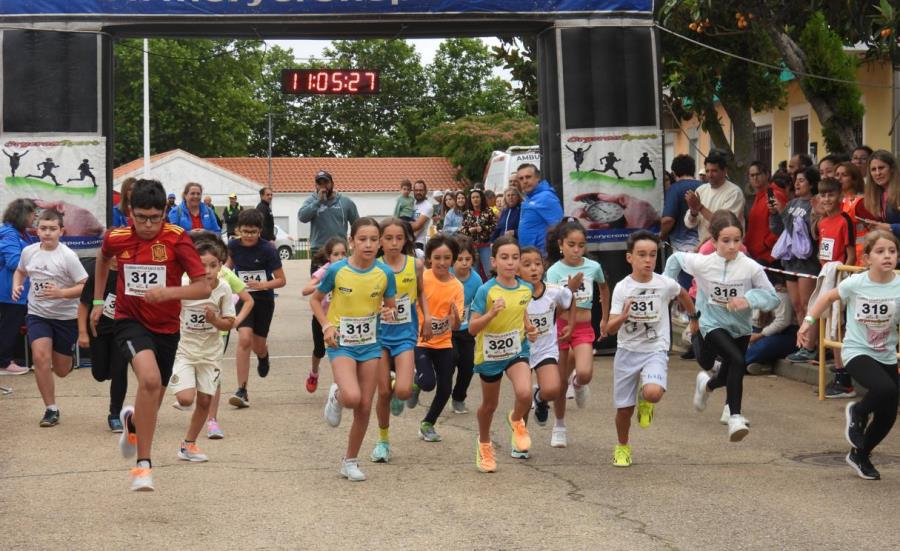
[(152, 256)]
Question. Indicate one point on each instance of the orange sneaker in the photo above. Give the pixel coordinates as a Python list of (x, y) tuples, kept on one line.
[(484, 457), (520, 439), (312, 383), (141, 479)]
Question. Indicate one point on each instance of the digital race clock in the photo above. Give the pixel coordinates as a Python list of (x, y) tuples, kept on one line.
[(330, 81)]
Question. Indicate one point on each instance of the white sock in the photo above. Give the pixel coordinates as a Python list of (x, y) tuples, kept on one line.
[(52, 407), (560, 423)]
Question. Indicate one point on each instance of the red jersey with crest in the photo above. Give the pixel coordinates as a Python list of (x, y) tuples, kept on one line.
[(145, 264)]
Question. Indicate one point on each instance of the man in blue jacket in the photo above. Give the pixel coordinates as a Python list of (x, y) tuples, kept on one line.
[(541, 208)]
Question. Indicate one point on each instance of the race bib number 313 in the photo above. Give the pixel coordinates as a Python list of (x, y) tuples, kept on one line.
[(358, 331)]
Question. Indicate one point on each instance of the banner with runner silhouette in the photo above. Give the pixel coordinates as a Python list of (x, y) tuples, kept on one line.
[(62, 173), (613, 181)]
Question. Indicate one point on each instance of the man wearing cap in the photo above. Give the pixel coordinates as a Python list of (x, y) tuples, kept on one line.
[(265, 207), (329, 215), (422, 216), (170, 204), (230, 215)]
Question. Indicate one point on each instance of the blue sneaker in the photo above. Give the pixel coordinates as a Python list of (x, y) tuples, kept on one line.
[(381, 453)]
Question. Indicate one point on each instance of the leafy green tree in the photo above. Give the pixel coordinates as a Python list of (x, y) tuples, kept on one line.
[(518, 54), (462, 82), (204, 96), (468, 142)]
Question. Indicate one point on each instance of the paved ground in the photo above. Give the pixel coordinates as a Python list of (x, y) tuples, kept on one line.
[(273, 481)]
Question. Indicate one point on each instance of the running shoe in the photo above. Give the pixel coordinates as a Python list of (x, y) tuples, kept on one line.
[(381, 453), (128, 439), (213, 430), (518, 454), (459, 407), (836, 390), (141, 479), (262, 366), (519, 438), (350, 470), (803, 355), (622, 455), (50, 418), (737, 428), (177, 405), (860, 462), (191, 452), (312, 383), (115, 425), (570, 389), (240, 399), (756, 368), (582, 392), (855, 428), (413, 400), (726, 415), (427, 432), (13, 369), (484, 457), (558, 437), (333, 408), (541, 407), (701, 391), (645, 412)]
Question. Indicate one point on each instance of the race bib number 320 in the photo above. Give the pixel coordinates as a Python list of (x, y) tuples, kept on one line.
[(502, 346), (140, 278)]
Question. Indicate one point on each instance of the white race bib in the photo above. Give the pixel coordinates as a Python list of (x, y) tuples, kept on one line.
[(358, 331), (466, 312), (38, 285), (502, 346), (109, 306), (253, 275), (720, 293), (194, 319), (875, 312), (140, 278), (826, 249), (543, 322), (645, 308), (404, 311), (439, 326), (585, 293)]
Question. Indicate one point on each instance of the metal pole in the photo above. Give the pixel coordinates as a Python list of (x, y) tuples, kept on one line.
[(269, 115), (146, 109)]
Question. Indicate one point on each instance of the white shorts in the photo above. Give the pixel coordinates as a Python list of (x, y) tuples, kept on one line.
[(200, 374), (629, 368)]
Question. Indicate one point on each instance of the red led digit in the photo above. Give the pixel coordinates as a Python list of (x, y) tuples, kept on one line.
[(311, 82), (296, 82), (322, 81), (354, 82), (372, 77), (337, 83)]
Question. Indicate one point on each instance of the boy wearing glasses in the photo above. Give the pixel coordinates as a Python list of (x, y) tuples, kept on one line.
[(640, 304), (257, 263), (152, 256)]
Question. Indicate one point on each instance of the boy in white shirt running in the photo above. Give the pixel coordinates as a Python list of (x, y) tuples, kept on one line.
[(640, 304), (56, 278)]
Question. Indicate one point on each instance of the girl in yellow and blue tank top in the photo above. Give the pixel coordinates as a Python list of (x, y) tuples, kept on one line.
[(398, 337), (361, 289), (499, 320)]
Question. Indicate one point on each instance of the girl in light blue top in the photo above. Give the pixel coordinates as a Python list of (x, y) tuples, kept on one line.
[(869, 350), (729, 286)]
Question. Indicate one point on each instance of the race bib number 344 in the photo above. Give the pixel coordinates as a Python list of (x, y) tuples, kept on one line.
[(140, 278)]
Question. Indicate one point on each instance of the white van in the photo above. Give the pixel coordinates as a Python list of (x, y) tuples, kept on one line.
[(503, 164)]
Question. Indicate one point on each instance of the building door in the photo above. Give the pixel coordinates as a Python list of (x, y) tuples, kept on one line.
[(800, 135), (762, 145)]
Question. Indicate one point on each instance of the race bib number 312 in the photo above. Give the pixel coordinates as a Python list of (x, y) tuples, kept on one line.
[(140, 278)]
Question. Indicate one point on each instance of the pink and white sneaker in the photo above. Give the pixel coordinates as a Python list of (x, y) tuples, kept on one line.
[(213, 431)]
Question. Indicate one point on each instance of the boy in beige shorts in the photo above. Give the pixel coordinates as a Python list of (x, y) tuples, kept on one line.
[(197, 362)]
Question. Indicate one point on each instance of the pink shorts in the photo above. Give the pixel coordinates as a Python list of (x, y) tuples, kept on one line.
[(583, 334)]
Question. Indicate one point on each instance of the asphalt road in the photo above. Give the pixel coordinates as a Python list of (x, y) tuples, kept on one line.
[(273, 482)]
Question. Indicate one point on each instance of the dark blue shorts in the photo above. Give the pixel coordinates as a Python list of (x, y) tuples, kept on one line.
[(63, 333)]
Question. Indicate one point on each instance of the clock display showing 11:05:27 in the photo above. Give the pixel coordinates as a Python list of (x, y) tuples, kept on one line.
[(330, 81)]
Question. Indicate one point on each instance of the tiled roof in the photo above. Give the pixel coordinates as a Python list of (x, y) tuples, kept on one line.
[(136, 164), (371, 174)]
